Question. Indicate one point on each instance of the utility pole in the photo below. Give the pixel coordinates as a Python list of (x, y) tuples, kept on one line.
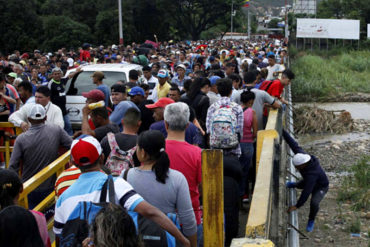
[(120, 22), (286, 20), (249, 25), (232, 15)]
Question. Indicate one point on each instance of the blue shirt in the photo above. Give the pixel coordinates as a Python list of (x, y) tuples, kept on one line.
[(192, 135), (105, 89), (120, 110)]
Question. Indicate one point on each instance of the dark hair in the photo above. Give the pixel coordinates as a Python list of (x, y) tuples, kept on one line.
[(133, 74), (249, 77), (219, 73), (132, 117), (145, 87), (100, 111), (247, 96), (252, 67), (177, 89), (152, 141), (264, 72), (113, 226), (18, 228), (231, 65), (44, 90), (288, 73), (199, 73), (10, 186), (147, 68), (26, 86), (234, 77), (194, 88), (205, 82), (224, 87), (2, 77), (187, 84), (271, 56)]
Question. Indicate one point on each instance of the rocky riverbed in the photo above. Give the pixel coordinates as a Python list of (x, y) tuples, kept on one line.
[(334, 220)]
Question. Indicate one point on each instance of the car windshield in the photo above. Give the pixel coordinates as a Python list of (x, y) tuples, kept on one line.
[(84, 83)]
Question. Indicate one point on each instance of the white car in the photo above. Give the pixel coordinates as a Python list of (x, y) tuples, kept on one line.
[(82, 82)]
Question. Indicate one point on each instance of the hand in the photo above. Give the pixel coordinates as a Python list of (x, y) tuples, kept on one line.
[(77, 134), (291, 208), (186, 242), (86, 110), (24, 126), (87, 243)]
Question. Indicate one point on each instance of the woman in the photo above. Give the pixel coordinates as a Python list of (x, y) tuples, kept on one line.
[(10, 188), (169, 190), (250, 128)]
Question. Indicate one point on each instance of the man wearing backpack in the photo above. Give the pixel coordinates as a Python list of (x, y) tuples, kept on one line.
[(225, 121), (86, 153)]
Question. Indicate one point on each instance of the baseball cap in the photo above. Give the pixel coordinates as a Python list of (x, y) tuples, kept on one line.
[(136, 91), (162, 73), (98, 74), (12, 74), (37, 112), (214, 79), (300, 159), (94, 94), (85, 150), (70, 62), (181, 66), (118, 88), (162, 102)]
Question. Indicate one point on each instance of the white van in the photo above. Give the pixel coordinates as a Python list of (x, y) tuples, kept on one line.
[(83, 82)]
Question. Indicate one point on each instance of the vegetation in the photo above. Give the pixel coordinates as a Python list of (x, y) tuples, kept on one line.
[(328, 76), (356, 187)]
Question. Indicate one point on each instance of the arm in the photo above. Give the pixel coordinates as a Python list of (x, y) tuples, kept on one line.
[(57, 115), (309, 183), (86, 130), (16, 156), (154, 214), (292, 143), (7, 112), (254, 125), (7, 98), (65, 139), (19, 118), (117, 114)]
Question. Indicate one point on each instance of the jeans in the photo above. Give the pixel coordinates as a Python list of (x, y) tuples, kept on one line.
[(316, 198), (245, 161), (200, 235), (67, 125)]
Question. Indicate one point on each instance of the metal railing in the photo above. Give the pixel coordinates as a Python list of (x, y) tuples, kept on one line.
[(7, 149)]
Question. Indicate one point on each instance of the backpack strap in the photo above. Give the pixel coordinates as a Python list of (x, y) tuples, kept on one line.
[(108, 187), (268, 86), (112, 142), (125, 173)]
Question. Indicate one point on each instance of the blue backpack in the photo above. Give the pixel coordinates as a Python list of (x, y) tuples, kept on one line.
[(76, 228)]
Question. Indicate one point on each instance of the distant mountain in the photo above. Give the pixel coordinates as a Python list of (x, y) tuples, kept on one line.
[(271, 3), (268, 7)]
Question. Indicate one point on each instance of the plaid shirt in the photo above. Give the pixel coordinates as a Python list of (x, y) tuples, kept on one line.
[(237, 110)]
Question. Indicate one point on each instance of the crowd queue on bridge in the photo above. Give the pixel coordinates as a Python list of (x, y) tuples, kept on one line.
[(136, 147)]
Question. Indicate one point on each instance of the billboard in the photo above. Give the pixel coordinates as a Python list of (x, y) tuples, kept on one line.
[(304, 7), (328, 28)]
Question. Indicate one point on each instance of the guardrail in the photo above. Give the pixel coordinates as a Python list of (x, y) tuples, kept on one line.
[(7, 149), (258, 224)]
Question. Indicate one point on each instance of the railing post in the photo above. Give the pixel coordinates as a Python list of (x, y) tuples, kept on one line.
[(213, 198), (7, 152)]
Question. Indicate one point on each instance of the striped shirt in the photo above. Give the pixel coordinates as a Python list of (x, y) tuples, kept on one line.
[(66, 179), (87, 188)]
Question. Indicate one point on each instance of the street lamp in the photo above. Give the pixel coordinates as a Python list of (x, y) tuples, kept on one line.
[(120, 22)]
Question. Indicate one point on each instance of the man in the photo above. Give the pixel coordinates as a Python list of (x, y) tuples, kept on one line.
[(174, 94), (237, 83), (86, 153), (37, 148), (230, 69), (274, 69), (137, 95), (225, 87), (94, 96), (163, 86), (100, 118), (18, 69), (191, 133), (275, 88), (25, 93), (98, 77), (314, 182), (120, 104), (133, 77), (150, 80), (180, 77), (184, 157), (127, 138), (213, 93), (42, 97)]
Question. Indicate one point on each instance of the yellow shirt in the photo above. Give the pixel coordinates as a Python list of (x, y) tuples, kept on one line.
[(162, 91)]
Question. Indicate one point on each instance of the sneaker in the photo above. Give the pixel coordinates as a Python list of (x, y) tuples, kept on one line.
[(245, 198), (310, 225), (291, 184)]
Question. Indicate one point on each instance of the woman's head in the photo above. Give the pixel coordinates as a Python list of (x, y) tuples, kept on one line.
[(151, 147), (18, 228), (10, 187), (113, 226), (247, 98)]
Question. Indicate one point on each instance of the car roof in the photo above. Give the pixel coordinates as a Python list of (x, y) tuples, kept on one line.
[(111, 67)]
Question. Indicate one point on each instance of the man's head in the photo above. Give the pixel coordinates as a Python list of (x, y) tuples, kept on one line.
[(162, 76), (176, 116), (137, 95), (174, 94), (18, 69), (133, 75), (86, 153), (118, 93), (99, 116), (98, 77), (37, 114), (158, 108), (94, 96), (180, 69), (300, 160), (147, 71), (237, 82), (146, 89), (250, 77), (247, 98), (205, 85), (230, 68), (214, 79), (132, 119), (287, 77), (11, 77), (225, 87), (25, 90), (56, 73), (42, 96), (271, 59)]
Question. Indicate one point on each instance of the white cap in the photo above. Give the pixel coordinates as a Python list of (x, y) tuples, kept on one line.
[(300, 159), (70, 62), (37, 112)]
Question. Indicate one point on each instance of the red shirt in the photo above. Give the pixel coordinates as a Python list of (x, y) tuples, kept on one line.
[(84, 55), (275, 90), (187, 159)]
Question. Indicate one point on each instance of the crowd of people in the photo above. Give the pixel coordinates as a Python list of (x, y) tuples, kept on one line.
[(148, 135)]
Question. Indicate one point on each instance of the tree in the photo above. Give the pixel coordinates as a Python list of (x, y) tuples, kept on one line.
[(273, 23)]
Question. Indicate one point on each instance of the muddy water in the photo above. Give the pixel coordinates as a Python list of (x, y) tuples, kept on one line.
[(358, 110)]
